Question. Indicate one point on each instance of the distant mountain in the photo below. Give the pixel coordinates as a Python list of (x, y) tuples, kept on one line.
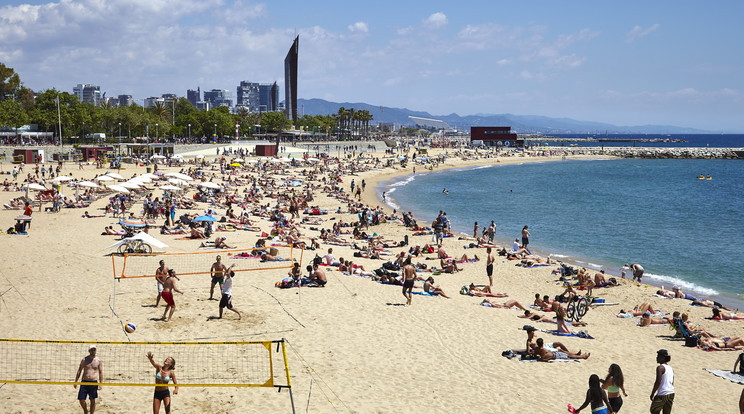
[(523, 124)]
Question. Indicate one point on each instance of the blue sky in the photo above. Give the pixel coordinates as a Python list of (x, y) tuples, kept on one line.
[(626, 63)]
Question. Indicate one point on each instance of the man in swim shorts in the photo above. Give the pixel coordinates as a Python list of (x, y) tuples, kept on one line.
[(637, 271), (489, 266), (218, 275), (169, 285), (160, 275), (226, 300), (92, 369), (547, 355), (525, 237), (409, 275)]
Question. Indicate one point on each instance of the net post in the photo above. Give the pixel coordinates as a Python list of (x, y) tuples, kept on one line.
[(286, 369)]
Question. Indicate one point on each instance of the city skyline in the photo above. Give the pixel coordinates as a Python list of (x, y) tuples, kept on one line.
[(630, 63)]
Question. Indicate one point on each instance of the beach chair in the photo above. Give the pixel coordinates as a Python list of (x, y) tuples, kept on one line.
[(682, 331)]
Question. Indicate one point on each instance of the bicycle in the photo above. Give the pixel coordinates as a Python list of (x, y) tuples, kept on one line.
[(577, 308), (135, 246)]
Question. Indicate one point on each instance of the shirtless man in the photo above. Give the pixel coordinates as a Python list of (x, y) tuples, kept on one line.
[(218, 275), (637, 271), (92, 369), (409, 275), (169, 285), (319, 275), (532, 347), (160, 274), (546, 355), (489, 266)]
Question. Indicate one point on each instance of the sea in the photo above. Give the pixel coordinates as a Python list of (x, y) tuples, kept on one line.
[(601, 214)]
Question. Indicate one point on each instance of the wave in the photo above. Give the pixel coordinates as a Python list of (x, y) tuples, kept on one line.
[(670, 281), (402, 182)]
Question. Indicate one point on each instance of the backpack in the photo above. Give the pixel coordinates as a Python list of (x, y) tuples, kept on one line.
[(317, 260)]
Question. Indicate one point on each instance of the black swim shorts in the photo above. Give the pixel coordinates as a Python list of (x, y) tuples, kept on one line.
[(489, 270), (408, 284)]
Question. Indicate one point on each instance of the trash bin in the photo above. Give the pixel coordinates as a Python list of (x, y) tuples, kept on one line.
[(149, 170)]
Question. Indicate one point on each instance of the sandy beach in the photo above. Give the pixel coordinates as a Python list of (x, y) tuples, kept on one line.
[(353, 346)]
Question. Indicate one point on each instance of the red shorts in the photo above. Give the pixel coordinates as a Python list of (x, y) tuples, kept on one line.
[(168, 298)]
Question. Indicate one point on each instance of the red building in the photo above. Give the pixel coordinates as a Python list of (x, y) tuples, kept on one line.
[(496, 137)]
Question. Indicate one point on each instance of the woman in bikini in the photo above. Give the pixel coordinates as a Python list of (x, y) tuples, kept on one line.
[(163, 374), (613, 383)]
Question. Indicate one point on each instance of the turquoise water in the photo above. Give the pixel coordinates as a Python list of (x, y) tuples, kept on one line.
[(602, 214)]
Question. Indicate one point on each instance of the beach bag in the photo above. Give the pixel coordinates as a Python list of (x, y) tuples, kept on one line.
[(464, 290), (318, 260), (273, 251), (691, 341)]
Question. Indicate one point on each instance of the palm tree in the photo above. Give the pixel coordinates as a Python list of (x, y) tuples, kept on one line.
[(159, 110)]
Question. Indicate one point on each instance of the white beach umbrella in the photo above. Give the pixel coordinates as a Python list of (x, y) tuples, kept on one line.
[(87, 184), (104, 178), (170, 187), (180, 176), (311, 159), (130, 185), (61, 178), (178, 181), (238, 160), (34, 186), (118, 188), (285, 159), (252, 161), (158, 157), (209, 184), (149, 175), (200, 156), (115, 175)]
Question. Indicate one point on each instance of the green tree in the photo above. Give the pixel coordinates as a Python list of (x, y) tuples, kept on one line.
[(12, 114), (274, 121)]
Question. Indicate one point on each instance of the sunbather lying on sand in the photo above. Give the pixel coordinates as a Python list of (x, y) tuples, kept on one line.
[(511, 303), (546, 355), (484, 291), (720, 343)]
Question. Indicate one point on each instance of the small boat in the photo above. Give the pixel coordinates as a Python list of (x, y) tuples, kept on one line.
[(708, 178), (701, 177)]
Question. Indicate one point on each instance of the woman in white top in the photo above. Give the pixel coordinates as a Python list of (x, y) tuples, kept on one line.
[(662, 395)]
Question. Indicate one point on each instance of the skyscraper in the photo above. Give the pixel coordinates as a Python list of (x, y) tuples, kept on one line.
[(290, 81), (88, 93), (268, 97), (193, 96), (248, 96), (218, 97)]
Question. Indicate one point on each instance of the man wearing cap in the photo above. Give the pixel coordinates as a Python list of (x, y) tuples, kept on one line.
[(89, 367), (662, 395)]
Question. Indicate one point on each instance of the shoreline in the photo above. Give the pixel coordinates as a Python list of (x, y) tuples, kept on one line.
[(348, 341), (459, 229)]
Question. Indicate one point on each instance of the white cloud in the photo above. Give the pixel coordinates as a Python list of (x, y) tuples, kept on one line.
[(359, 27), (638, 32), (436, 20)]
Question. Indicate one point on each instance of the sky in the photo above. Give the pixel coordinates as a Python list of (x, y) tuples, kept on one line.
[(626, 63)]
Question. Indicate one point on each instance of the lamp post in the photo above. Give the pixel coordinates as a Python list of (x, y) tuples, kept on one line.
[(83, 131), (189, 132), (118, 158), (157, 132), (215, 133)]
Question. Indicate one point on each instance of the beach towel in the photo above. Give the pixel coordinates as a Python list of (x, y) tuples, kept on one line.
[(729, 375), (422, 293), (580, 334)]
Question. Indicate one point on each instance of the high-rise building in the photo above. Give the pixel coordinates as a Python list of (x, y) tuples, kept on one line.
[(152, 101), (290, 81), (125, 100), (169, 96), (88, 93), (193, 96), (248, 96), (257, 97), (268, 97), (218, 97)]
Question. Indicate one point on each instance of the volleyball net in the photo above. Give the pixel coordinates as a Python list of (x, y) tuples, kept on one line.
[(197, 364), (139, 265)]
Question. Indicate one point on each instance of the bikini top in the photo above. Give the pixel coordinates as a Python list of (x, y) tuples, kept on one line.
[(160, 377), (613, 388)]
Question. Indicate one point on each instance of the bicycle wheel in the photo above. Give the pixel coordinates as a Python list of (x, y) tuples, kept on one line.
[(582, 307), (124, 248), (144, 248), (571, 309)]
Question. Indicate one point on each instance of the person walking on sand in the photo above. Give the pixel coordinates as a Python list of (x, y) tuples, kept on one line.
[(226, 301), (92, 369), (662, 395), (409, 275), (160, 274), (489, 265), (491, 231), (218, 275), (525, 237), (595, 396), (169, 285)]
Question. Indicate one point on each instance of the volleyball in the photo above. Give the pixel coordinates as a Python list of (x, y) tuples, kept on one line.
[(130, 327)]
